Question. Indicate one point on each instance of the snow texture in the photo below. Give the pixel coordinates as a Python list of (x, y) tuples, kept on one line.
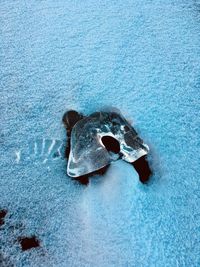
[(142, 57)]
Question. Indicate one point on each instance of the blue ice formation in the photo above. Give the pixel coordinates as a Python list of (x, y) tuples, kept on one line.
[(88, 153)]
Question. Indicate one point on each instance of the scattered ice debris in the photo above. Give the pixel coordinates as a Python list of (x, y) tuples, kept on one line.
[(18, 156)]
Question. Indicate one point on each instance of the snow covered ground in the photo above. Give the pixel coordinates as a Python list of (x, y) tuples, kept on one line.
[(142, 57)]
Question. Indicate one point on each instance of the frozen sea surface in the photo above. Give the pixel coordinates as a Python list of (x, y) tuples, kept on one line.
[(142, 57)]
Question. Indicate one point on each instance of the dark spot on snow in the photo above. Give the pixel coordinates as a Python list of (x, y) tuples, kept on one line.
[(29, 242), (111, 144), (142, 167), (84, 180), (70, 118), (3, 213)]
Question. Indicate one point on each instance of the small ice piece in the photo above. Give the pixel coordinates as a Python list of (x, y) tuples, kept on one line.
[(88, 154), (18, 156)]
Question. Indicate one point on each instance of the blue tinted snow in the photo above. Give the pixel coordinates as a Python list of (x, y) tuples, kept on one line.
[(140, 56)]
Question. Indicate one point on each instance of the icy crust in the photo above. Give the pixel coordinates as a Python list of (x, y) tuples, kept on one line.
[(88, 154)]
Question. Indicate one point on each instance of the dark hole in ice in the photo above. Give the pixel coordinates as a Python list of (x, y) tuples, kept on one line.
[(111, 144), (29, 242), (3, 213)]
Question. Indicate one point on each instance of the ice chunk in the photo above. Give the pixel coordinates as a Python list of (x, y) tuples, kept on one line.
[(88, 152)]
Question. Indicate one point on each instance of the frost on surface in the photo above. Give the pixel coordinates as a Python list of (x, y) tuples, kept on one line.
[(140, 56), (88, 153)]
